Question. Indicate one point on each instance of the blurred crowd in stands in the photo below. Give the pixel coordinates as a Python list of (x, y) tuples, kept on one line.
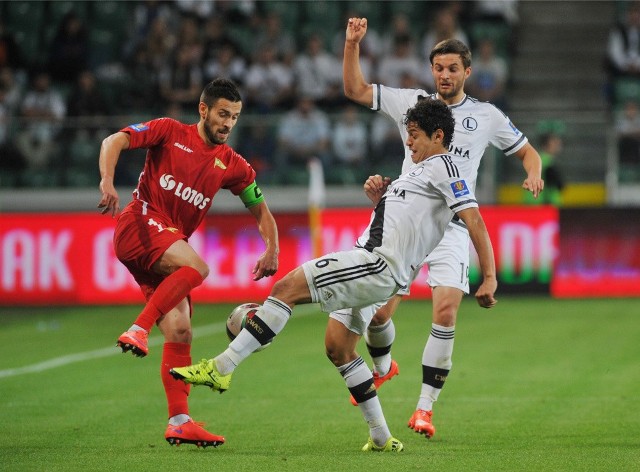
[(71, 72), (623, 90)]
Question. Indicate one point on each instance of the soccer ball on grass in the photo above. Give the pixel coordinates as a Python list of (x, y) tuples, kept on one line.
[(238, 318)]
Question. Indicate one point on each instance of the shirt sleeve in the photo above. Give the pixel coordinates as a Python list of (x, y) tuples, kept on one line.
[(506, 136), (150, 133), (453, 186), (241, 176), (395, 102)]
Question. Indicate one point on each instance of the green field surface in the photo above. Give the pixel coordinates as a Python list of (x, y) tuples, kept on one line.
[(537, 385)]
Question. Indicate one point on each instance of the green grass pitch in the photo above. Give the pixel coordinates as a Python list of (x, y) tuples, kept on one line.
[(537, 385)]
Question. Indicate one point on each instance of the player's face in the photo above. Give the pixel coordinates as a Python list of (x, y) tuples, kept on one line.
[(421, 144), (449, 75), (220, 119)]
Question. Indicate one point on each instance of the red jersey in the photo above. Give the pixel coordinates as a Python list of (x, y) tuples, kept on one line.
[(181, 173)]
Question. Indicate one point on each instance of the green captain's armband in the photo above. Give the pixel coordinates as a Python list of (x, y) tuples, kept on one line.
[(252, 195)]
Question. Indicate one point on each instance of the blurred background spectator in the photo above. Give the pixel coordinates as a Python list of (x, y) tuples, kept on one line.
[(44, 108), (69, 49), (318, 73), (444, 25), (350, 143), (550, 144), (488, 79), (627, 126), (269, 82), (402, 61), (623, 51), (303, 133)]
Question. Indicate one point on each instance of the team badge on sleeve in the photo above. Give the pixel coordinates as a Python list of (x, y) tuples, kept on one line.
[(139, 127), (459, 188)]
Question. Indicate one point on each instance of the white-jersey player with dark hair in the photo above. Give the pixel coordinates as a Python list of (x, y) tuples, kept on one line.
[(410, 218), (477, 124)]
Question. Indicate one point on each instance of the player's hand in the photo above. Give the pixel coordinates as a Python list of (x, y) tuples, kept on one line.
[(266, 266), (485, 294), (356, 29), (533, 184), (375, 187), (110, 201)]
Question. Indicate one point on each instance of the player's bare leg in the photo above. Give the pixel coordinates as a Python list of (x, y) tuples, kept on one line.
[(340, 344), (437, 356)]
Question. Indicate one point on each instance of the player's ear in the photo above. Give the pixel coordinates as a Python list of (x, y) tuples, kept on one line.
[(202, 110)]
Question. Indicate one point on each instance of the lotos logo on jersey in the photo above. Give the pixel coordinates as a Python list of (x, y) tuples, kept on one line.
[(513, 127), (167, 182), (459, 188), (187, 194), (139, 127)]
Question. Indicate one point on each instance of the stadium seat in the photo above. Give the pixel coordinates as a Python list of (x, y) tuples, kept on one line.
[(289, 13), (499, 33), (25, 20), (111, 16), (59, 8), (416, 11), (24, 16), (374, 12), (104, 46), (322, 17), (626, 89)]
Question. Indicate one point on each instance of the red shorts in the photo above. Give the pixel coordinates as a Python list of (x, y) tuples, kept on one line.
[(139, 240)]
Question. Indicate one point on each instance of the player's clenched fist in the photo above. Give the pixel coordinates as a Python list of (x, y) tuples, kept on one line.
[(356, 29)]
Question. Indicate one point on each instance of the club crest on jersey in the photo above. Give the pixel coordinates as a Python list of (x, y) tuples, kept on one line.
[(219, 163), (459, 188), (139, 127), (470, 124)]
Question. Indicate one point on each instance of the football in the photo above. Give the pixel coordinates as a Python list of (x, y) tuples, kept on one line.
[(238, 318)]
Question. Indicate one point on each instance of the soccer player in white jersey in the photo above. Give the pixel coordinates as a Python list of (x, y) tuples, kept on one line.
[(409, 219), (477, 124)]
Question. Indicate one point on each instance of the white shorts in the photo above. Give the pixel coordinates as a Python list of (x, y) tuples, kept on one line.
[(449, 261), (349, 279), (356, 319)]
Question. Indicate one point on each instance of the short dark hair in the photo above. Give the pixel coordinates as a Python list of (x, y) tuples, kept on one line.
[(220, 88), (452, 46), (431, 114)]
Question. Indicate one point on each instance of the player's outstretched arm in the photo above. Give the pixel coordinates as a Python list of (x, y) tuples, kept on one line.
[(480, 238), (267, 263), (110, 151), (356, 87), (533, 167)]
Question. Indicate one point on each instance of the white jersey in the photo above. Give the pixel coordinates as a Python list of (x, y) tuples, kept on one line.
[(478, 124), (411, 217)]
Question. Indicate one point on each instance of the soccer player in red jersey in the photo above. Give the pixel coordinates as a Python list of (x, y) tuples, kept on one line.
[(186, 165)]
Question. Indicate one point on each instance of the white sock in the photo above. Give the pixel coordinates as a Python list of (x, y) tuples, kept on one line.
[(356, 374), (179, 419), (379, 340), (436, 364), (273, 315), (135, 327)]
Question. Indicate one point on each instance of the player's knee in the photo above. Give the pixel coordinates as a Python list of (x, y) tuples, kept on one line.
[(380, 318), (203, 269), (336, 354), (445, 314)]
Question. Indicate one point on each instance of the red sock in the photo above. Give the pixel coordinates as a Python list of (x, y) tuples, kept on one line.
[(171, 290), (175, 355)]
